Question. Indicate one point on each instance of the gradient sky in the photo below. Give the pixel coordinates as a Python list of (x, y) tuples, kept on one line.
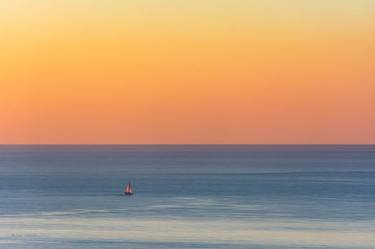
[(162, 71)]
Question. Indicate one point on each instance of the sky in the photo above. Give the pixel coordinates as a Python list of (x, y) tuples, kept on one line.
[(187, 72)]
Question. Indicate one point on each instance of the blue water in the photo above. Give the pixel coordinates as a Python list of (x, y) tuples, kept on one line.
[(187, 196)]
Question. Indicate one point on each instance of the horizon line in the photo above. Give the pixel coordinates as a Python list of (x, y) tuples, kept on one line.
[(177, 144)]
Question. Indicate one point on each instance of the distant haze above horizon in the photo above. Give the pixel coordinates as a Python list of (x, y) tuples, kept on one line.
[(187, 72)]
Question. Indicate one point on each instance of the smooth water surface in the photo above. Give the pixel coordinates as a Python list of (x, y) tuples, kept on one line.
[(187, 196)]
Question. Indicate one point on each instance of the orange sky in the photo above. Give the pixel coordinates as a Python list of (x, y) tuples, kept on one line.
[(160, 71)]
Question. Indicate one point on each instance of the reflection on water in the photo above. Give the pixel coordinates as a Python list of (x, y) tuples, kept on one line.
[(221, 231)]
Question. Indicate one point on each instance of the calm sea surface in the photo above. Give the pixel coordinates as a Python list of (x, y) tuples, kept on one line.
[(273, 197)]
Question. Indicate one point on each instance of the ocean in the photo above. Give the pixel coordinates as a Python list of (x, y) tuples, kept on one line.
[(187, 196)]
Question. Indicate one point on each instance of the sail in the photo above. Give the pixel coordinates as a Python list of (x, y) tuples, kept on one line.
[(128, 189)]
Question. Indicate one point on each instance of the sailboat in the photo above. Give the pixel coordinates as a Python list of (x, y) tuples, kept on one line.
[(128, 189)]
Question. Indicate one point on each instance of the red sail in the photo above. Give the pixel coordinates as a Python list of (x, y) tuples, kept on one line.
[(129, 189)]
